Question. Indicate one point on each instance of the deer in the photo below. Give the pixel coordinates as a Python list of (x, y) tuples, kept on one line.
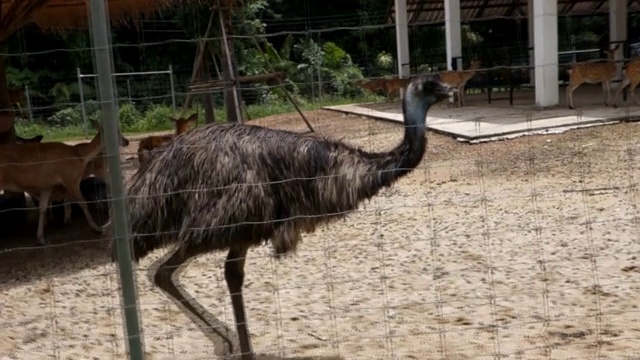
[(458, 79), (630, 76), (593, 73), (40, 168), (389, 86), (146, 145), (95, 167)]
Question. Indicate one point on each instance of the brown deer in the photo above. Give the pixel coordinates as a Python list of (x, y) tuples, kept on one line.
[(389, 86), (631, 78), (458, 79), (95, 167), (146, 145), (39, 168), (593, 73)]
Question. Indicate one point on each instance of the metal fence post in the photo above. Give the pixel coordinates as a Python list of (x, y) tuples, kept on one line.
[(104, 68), (28, 96), (84, 110), (173, 89)]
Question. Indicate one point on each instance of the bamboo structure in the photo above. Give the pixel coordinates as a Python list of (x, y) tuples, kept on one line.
[(229, 81)]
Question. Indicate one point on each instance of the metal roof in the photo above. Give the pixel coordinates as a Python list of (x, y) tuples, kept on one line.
[(432, 11)]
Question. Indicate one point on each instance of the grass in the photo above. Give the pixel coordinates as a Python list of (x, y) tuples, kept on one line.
[(143, 125)]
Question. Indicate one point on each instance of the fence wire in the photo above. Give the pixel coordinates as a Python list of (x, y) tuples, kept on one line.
[(524, 248)]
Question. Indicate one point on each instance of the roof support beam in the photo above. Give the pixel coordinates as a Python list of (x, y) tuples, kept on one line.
[(481, 10), (453, 34), (568, 7), (618, 30), (545, 40), (402, 40)]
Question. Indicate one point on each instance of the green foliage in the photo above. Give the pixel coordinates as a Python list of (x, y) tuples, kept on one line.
[(335, 57), (72, 116), (21, 78), (129, 116), (156, 117), (384, 60), (61, 93)]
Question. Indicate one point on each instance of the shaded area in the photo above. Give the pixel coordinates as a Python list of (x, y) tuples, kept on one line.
[(20, 255)]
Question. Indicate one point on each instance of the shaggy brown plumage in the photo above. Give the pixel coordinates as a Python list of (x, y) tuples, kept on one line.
[(237, 186)]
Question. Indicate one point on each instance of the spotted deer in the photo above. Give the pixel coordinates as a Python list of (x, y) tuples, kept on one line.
[(458, 79), (631, 78), (593, 73)]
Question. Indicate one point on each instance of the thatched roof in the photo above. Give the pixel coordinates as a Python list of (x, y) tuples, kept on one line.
[(70, 14)]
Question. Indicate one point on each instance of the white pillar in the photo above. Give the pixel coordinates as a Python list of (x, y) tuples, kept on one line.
[(453, 33), (618, 29), (545, 40), (532, 71), (402, 40)]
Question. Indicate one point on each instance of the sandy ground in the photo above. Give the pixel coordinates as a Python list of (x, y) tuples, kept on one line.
[(526, 248)]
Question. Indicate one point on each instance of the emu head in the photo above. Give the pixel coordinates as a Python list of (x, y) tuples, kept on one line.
[(428, 90)]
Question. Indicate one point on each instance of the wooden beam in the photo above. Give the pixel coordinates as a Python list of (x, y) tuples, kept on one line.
[(568, 7), (515, 4), (481, 11), (219, 84)]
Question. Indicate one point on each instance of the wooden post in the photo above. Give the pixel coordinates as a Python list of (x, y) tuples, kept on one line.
[(205, 75), (200, 53), (232, 103)]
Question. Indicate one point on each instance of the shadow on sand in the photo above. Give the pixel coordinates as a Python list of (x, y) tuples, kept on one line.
[(71, 248)]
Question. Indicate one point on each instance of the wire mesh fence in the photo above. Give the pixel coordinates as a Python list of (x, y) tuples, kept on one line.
[(523, 249)]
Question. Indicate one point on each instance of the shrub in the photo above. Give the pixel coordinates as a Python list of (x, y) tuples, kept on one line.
[(129, 116), (72, 116), (155, 118)]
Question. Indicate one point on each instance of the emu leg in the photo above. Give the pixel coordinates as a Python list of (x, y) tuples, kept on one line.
[(234, 275), (165, 277)]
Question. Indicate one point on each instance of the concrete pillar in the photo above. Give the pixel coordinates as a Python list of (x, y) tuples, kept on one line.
[(532, 71), (618, 29), (545, 41), (402, 40), (453, 33)]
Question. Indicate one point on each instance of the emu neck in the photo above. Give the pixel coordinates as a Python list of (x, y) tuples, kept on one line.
[(407, 155)]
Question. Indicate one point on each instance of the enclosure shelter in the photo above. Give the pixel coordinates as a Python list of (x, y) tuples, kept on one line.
[(483, 121), (542, 18)]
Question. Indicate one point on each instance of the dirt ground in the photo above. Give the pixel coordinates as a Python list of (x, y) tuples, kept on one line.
[(526, 248)]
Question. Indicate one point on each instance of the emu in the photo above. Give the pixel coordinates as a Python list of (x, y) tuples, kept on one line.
[(233, 187)]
